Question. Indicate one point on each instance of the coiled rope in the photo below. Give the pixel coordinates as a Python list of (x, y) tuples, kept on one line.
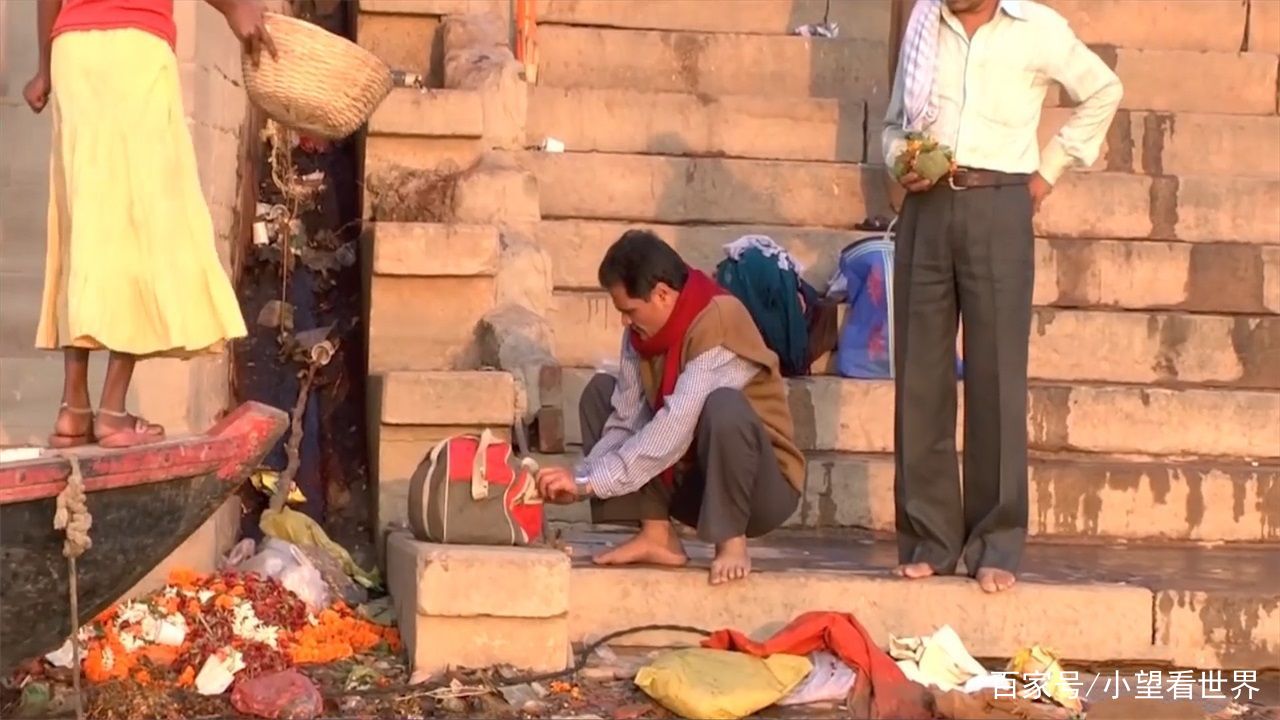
[(73, 518)]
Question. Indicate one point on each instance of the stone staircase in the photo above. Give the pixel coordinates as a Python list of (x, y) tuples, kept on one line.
[(1155, 356)]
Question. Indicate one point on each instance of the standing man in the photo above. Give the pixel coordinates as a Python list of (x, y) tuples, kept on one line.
[(973, 75)]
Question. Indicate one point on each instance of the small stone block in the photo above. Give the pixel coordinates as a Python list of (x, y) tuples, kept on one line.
[(550, 386), (467, 581), (437, 643), (549, 430)]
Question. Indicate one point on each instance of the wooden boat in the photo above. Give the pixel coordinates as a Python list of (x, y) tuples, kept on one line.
[(145, 501)]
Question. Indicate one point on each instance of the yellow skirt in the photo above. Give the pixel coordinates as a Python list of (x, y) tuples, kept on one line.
[(131, 264)]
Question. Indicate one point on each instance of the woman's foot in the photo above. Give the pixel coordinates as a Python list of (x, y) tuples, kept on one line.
[(914, 571), (995, 580), (73, 427), (655, 544), (122, 430), (732, 562)]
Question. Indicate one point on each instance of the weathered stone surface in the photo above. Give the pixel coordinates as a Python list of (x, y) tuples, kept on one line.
[(465, 31), (447, 398), (524, 277), (1075, 496), (439, 155), (1065, 344), (1264, 26), (845, 415), (1100, 205), (1159, 143), (435, 250), (1071, 496), (1209, 82), (864, 20), (991, 625), (1219, 209), (425, 323), (431, 7), (475, 581), (404, 42), (681, 190), (496, 190), (625, 121), (1202, 277), (716, 64), (1221, 628), (429, 113), (436, 644), (1156, 24)]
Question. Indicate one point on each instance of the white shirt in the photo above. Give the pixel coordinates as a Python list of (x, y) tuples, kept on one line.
[(990, 90)]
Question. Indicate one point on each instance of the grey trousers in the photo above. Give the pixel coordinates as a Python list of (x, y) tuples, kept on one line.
[(733, 488), (962, 253)]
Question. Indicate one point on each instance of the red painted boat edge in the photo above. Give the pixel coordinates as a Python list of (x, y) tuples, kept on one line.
[(225, 450)]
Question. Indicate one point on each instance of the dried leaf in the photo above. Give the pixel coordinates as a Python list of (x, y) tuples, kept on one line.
[(276, 314)]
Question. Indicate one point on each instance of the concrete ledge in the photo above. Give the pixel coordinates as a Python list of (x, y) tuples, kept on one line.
[(412, 328), (429, 113), (1230, 629), (1071, 497), (448, 398), (1209, 277), (475, 581), (1190, 81), (435, 250), (1140, 347), (431, 7), (864, 20), (624, 121), (991, 625), (1156, 24), (838, 414)]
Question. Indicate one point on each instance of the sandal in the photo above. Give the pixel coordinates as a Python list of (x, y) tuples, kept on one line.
[(61, 442), (142, 433)]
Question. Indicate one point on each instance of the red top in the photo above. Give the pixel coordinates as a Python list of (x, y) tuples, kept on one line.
[(153, 16)]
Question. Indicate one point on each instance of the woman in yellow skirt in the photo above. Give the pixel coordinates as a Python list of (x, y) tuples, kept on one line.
[(131, 265)]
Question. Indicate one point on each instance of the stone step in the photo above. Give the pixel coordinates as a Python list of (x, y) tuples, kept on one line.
[(1071, 497), (862, 20), (846, 415), (1162, 143), (681, 190), (1203, 277), (712, 64), (1238, 83), (704, 190), (1164, 24), (1138, 347), (1163, 601), (674, 123)]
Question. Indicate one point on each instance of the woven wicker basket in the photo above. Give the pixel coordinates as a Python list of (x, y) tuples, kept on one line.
[(322, 84)]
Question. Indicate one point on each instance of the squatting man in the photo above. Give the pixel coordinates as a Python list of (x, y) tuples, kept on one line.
[(695, 427)]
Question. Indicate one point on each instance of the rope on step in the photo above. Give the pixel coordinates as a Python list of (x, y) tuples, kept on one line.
[(73, 518)]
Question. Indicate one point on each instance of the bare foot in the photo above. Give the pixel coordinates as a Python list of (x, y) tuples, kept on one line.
[(995, 580), (914, 571), (731, 561), (655, 544)]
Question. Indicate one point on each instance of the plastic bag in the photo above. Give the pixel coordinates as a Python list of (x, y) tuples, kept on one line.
[(285, 562), (286, 695), (720, 684), (295, 527), (830, 680)]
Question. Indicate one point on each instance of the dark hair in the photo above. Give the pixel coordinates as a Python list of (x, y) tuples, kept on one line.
[(638, 261)]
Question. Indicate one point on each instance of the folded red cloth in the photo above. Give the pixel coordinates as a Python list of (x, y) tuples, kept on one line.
[(891, 694)]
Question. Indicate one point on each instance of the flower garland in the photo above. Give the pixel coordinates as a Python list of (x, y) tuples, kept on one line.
[(247, 624)]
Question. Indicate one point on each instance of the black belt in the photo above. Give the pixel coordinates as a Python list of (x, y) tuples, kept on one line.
[(966, 178)]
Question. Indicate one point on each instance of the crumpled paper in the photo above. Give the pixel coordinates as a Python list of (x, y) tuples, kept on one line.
[(939, 659), (1043, 665)]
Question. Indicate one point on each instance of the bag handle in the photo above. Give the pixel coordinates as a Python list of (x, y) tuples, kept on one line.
[(530, 496), (480, 467)]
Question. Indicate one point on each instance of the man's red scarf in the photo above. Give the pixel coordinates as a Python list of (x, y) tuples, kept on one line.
[(694, 297)]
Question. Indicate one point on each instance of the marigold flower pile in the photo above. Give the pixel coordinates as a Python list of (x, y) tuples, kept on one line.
[(170, 635)]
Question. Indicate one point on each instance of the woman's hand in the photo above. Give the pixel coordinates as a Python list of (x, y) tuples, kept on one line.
[(247, 20), (36, 92)]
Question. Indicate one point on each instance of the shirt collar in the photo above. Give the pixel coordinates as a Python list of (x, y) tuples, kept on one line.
[(1014, 8)]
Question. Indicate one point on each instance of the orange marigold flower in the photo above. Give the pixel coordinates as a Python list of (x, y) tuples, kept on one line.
[(188, 677)]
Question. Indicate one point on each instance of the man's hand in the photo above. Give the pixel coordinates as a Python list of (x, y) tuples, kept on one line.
[(247, 20), (557, 485), (914, 183), (1040, 189), (36, 92)]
